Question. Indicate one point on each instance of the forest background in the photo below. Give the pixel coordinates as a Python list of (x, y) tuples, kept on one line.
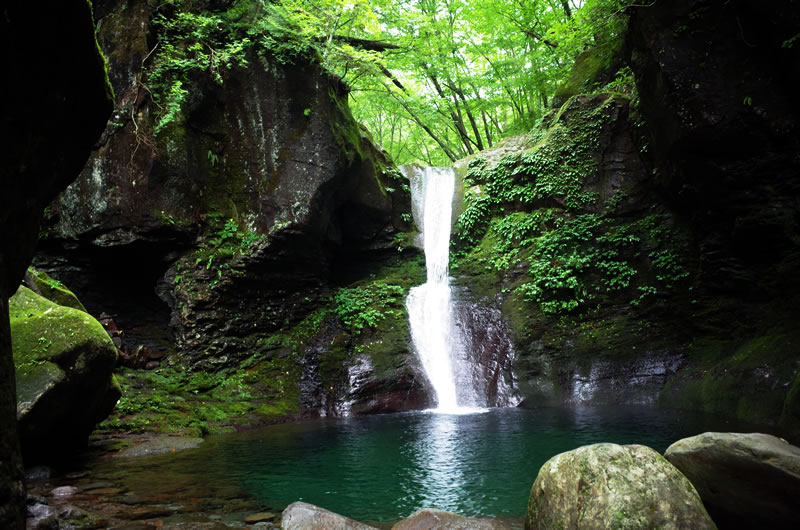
[(432, 80)]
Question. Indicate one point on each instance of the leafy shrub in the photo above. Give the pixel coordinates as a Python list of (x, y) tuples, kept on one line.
[(367, 305)]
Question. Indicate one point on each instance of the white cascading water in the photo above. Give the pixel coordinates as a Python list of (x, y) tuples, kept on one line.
[(430, 307)]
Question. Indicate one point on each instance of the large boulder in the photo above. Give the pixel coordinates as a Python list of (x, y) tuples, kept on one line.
[(64, 361), (745, 479), (613, 486), (304, 516), (42, 284)]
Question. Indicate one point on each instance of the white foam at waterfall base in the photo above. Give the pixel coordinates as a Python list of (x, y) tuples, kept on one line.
[(430, 306)]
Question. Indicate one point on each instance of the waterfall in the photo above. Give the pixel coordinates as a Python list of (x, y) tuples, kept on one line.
[(430, 306)]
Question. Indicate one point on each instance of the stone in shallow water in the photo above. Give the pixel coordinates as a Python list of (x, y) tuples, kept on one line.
[(40, 511), (430, 518), (106, 492), (745, 480), (145, 512), (259, 517), (64, 491), (613, 486), (304, 516), (38, 473)]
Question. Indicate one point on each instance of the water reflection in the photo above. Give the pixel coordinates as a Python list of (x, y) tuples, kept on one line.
[(386, 467)]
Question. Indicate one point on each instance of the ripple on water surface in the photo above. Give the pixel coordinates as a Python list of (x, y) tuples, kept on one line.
[(383, 468)]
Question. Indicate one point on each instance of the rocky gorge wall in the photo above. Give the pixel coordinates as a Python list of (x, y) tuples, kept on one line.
[(219, 241), (642, 248), (54, 102)]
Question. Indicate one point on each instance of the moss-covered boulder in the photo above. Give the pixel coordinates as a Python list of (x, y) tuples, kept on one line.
[(613, 486), (64, 361), (746, 480), (42, 284)]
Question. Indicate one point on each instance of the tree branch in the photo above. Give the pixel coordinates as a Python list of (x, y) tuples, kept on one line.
[(536, 36)]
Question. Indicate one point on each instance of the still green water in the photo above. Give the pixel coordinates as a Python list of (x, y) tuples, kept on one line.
[(383, 468)]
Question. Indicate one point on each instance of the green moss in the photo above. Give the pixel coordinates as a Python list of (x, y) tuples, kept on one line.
[(169, 400), (592, 69), (386, 340), (53, 290), (754, 380), (790, 414), (42, 331), (109, 90)]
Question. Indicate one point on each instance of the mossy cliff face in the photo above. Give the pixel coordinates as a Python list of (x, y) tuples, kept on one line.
[(55, 99), (643, 251), (558, 232), (239, 219)]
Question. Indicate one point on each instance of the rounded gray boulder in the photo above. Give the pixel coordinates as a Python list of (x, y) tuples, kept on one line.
[(613, 486), (745, 480)]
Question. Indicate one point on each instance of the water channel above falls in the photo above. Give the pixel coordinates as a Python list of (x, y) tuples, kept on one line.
[(383, 468)]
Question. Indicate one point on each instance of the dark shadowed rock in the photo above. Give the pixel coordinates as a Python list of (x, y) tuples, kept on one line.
[(54, 101), (718, 92), (613, 486), (429, 518), (745, 479), (304, 516)]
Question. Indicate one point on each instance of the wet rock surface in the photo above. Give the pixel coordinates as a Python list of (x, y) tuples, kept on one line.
[(745, 479), (429, 518), (159, 445), (488, 351), (304, 516), (613, 486)]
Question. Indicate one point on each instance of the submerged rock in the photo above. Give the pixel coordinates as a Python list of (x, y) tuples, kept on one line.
[(161, 445), (64, 361), (259, 517), (613, 486), (304, 516), (430, 518), (744, 479)]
